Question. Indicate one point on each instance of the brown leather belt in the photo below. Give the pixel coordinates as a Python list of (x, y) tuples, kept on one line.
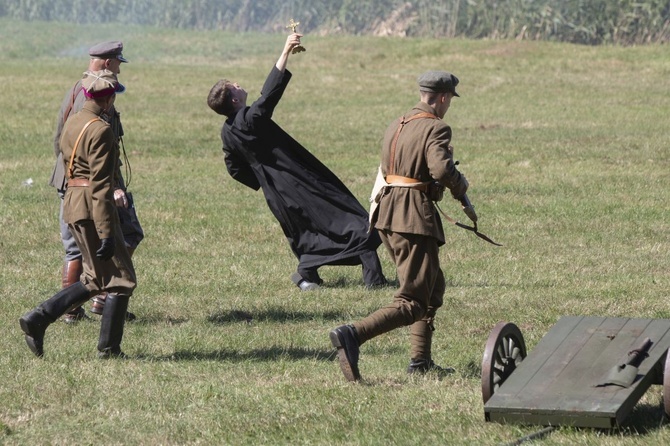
[(418, 185), (78, 182)]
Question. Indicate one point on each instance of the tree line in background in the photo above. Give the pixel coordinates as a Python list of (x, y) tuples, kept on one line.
[(593, 22)]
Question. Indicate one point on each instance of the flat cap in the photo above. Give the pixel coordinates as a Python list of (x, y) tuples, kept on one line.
[(108, 50), (100, 84), (438, 82)]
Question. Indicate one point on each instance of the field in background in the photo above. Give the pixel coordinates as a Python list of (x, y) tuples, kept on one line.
[(565, 149)]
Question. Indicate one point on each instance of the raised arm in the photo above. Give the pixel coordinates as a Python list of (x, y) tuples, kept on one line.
[(292, 41)]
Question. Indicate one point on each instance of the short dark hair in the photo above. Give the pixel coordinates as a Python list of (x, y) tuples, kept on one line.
[(430, 96), (219, 98)]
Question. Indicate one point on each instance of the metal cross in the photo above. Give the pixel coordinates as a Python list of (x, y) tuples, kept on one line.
[(293, 25)]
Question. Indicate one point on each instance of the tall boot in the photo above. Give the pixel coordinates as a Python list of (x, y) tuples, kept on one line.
[(111, 326), (72, 270), (98, 302), (34, 323), (98, 306)]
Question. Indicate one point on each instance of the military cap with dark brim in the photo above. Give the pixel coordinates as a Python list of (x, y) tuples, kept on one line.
[(438, 82), (108, 50)]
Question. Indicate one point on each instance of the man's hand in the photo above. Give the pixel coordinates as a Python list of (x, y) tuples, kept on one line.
[(106, 250), (120, 198), (468, 208), (292, 41), (470, 212)]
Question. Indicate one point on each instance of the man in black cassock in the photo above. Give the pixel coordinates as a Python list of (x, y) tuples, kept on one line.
[(322, 220)]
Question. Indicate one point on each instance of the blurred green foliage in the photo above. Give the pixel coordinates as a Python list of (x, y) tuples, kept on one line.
[(593, 22)]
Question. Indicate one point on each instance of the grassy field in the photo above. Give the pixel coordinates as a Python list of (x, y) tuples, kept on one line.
[(565, 148)]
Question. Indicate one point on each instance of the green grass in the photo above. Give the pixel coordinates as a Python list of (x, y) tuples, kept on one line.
[(565, 148)]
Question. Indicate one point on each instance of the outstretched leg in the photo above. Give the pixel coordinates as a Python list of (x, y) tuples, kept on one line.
[(34, 323)]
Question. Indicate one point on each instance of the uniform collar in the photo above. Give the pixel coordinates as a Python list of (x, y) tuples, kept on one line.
[(422, 106), (93, 107)]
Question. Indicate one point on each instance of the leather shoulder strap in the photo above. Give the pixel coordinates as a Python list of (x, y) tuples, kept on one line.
[(76, 144), (394, 142), (75, 92)]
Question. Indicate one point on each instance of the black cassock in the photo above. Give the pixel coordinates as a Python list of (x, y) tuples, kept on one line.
[(322, 220)]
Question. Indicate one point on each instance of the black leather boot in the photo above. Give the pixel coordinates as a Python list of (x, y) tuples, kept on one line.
[(421, 366), (98, 307), (34, 323), (111, 326), (345, 340)]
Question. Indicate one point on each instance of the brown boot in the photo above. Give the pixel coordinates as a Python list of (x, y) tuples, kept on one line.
[(98, 306), (71, 273)]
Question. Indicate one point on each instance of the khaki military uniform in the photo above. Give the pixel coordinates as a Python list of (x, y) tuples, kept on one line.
[(411, 228), (89, 210), (133, 233)]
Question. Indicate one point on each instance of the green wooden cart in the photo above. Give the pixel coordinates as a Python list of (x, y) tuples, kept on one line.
[(585, 372)]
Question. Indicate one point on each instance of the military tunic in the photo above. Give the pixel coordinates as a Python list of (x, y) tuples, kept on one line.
[(89, 211), (411, 228), (132, 230), (423, 153)]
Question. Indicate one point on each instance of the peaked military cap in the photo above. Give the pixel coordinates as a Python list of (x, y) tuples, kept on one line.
[(99, 84), (108, 50), (438, 82)]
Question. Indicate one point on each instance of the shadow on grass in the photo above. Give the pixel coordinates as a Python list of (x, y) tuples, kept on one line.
[(645, 419), (275, 314), (152, 319), (472, 370), (274, 353), (343, 282)]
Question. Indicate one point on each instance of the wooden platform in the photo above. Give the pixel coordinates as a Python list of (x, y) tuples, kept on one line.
[(556, 384)]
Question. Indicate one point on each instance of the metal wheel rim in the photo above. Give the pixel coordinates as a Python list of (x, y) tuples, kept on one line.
[(505, 349)]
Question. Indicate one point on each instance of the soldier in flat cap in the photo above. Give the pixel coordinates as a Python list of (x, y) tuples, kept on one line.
[(90, 155), (103, 56), (417, 164)]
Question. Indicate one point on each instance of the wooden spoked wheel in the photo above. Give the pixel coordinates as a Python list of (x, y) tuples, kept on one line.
[(505, 349), (666, 384)]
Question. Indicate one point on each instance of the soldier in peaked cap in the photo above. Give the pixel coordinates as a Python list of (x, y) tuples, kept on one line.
[(90, 155), (417, 164), (103, 56), (108, 50)]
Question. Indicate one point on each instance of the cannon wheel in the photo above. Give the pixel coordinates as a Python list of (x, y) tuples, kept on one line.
[(666, 384), (505, 349)]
